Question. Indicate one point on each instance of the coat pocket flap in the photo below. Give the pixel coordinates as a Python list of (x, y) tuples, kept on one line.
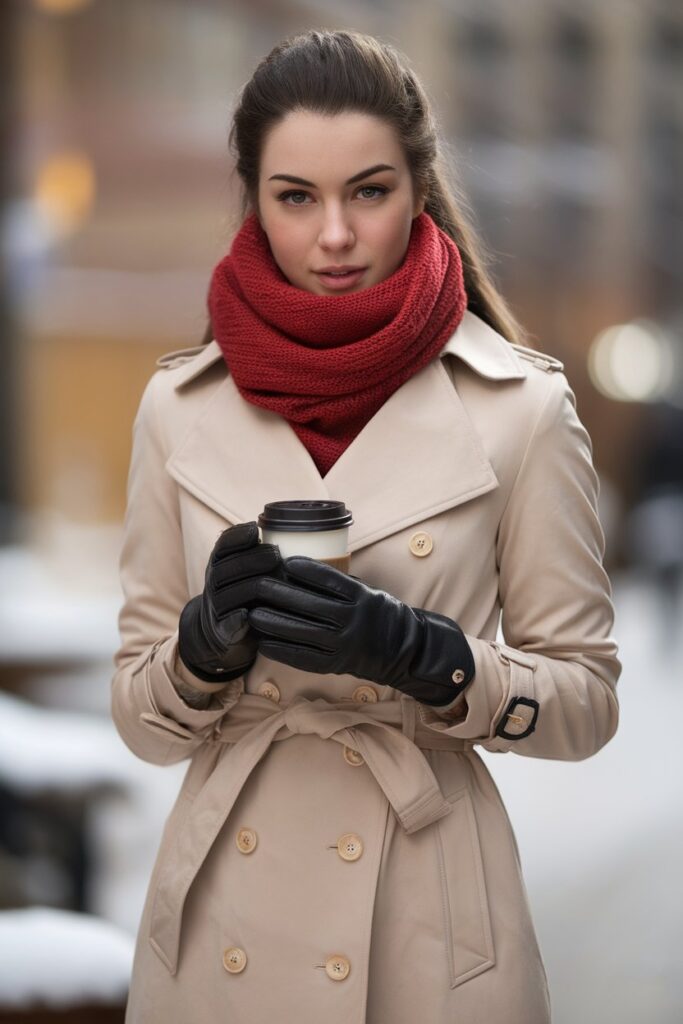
[(465, 900)]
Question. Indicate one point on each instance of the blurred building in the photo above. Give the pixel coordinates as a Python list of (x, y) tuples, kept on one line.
[(569, 117), (564, 124)]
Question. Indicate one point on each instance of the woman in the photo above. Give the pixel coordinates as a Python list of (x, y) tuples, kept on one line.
[(338, 850)]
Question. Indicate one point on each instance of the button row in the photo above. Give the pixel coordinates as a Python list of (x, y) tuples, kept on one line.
[(337, 966), (349, 846), (361, 695)]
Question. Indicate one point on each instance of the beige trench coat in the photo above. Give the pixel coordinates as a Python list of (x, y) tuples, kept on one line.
[(338, 851)]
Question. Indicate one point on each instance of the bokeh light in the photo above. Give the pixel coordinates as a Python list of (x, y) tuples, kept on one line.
[(65, 191), (632, 362), (61, 6)]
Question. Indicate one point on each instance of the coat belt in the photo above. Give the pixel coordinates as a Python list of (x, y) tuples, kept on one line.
[(394, 758)]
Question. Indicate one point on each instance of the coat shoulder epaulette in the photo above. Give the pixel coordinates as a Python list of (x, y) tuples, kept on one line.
[(540, 359), (189, 364), (181, 355)]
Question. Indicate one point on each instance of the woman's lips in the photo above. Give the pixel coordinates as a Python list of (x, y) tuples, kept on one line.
[(338, 282)]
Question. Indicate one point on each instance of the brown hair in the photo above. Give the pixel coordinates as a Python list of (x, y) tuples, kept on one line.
[(331, 72)]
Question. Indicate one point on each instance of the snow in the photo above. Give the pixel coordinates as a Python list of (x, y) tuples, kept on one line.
[(62, 959), (601, 840), (58, 750), (589, 811), (60, 603)]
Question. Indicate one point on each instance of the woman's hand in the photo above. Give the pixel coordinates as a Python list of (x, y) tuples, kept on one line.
[(215, 640), (322, 620)]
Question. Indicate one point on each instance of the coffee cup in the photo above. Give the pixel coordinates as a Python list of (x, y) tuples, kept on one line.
[(317, 529)]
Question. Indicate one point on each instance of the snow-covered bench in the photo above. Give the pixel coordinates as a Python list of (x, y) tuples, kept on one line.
[(58, 965)]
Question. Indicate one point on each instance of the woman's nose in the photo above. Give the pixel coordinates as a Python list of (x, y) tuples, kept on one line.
[(336, 231)]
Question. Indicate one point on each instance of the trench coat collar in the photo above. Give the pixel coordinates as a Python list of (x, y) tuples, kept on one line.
[(419, 454)]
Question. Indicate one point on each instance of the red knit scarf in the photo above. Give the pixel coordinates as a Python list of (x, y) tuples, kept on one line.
[(327, 363)]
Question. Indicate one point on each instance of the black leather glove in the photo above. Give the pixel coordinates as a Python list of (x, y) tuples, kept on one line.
[(215, 640), (322, 620)]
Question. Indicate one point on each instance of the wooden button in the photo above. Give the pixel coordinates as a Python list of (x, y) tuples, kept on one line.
[(420, 544), (350, 846), (337, 967), (365, 694), (246, 840), (353, 757), (234, 960), (269, 689), (458, 675)]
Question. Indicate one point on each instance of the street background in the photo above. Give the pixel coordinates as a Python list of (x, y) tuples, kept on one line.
[(564, 127)]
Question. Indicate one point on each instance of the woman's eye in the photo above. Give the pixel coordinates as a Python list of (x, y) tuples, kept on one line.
[(295, 195), (286, 195), (374, 188)]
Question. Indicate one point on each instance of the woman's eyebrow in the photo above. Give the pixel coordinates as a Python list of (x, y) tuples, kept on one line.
[(356, 177)]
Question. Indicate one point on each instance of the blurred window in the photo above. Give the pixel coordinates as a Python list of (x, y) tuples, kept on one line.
[(573, 41), (664, 149), (664, 41), (483, 64), (572, 92), (483, 41), (663, 200)]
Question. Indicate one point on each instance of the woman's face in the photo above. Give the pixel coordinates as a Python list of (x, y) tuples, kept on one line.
[(316, 217)]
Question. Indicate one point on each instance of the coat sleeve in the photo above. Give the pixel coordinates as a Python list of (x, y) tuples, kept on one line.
[(549, 690), (152, 718)]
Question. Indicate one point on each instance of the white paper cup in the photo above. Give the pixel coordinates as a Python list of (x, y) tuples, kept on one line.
[(317, 529)]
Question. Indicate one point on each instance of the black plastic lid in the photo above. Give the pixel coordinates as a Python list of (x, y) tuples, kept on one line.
[(304, 516)]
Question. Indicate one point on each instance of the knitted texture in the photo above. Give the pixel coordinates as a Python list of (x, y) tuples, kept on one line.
[(327, 363)]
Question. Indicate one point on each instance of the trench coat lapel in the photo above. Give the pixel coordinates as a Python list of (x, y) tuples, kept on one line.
[(417, 456)]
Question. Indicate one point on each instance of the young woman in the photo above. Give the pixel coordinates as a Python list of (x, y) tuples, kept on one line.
[(338, 850)]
